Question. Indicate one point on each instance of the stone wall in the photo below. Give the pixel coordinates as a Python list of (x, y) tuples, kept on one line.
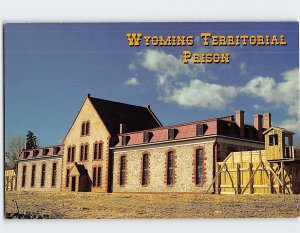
[(184, 180), (38, 174), (98, 133)]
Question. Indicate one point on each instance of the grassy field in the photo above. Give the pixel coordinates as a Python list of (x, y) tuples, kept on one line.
[(93, 205)]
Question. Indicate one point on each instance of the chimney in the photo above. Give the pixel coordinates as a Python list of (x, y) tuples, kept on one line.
[(122, 128), (267, 120), (88, 95), (258, 125), (239, 119)]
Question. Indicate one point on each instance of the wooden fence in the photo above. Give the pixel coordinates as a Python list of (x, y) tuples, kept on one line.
[(10, 182), (248, 172)]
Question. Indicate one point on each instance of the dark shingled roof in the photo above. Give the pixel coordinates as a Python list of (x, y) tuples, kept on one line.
[(134, 117)]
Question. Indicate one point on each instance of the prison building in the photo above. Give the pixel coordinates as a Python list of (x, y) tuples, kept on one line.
[(118, 147), (40, 169)]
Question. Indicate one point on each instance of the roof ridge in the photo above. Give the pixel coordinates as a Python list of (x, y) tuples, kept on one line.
[(111, 101)]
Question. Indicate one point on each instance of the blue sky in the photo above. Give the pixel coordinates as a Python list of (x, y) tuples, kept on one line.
[(49, 69)]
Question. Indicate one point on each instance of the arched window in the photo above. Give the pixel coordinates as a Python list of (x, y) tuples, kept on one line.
[(33, 175), (122, 170), (170, 168), (84, 150), (43, 175), (85, 128), (24, 176), (54, 171), (98, 150), (199, 166), (145, 169), (67, 177), (97, 176)]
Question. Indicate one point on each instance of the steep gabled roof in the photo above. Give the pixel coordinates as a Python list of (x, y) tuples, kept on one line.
[(134, 117)]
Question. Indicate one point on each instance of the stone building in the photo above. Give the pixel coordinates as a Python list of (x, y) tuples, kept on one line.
[(40, 169), (117, 147)]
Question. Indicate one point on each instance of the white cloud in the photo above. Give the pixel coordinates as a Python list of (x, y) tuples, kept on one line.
[(284, 94), (132, 82), (243, 68), (256, 106), (291, 124), (167, 66), (202, 94), (185, 85), (132, 66)]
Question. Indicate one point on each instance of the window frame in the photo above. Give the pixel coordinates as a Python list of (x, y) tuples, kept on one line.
[(273, 140), (68, 177), (33, 174), (145, 169), (43, 175), (122, 171), (171, 134), (85, 128), (23, 184), (69, 152), (124, 139), (97, 177), (54, 174), (199, 129), (84, 152), (98, 150), (94, 176), (170, 180), (199, 180)]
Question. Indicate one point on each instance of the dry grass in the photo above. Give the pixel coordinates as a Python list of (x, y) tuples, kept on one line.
[(95, 205)]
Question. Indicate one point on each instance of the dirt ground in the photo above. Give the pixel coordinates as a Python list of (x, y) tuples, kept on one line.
[(95, 205)]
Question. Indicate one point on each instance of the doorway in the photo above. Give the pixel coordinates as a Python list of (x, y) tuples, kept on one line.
[(73, 186)]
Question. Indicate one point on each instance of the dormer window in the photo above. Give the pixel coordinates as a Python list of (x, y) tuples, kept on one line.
[(35, 153), (45, 151), (124, 140), (199, 130), (171, 134), (26, 154), (56, 150), (147, 137), (85, 128)]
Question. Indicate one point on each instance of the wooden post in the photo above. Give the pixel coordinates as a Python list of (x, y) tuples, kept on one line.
[(238, 178), (282, 178), (271, 179), (218, 180), (251, 189)]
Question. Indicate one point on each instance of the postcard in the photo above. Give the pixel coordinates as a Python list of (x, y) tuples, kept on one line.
[(151, 120)]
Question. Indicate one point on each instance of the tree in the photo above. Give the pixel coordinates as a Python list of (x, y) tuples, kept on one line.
[(12, 148), (31, 141)]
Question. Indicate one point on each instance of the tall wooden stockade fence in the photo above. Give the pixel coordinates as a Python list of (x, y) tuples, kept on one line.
[(248, 172)]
